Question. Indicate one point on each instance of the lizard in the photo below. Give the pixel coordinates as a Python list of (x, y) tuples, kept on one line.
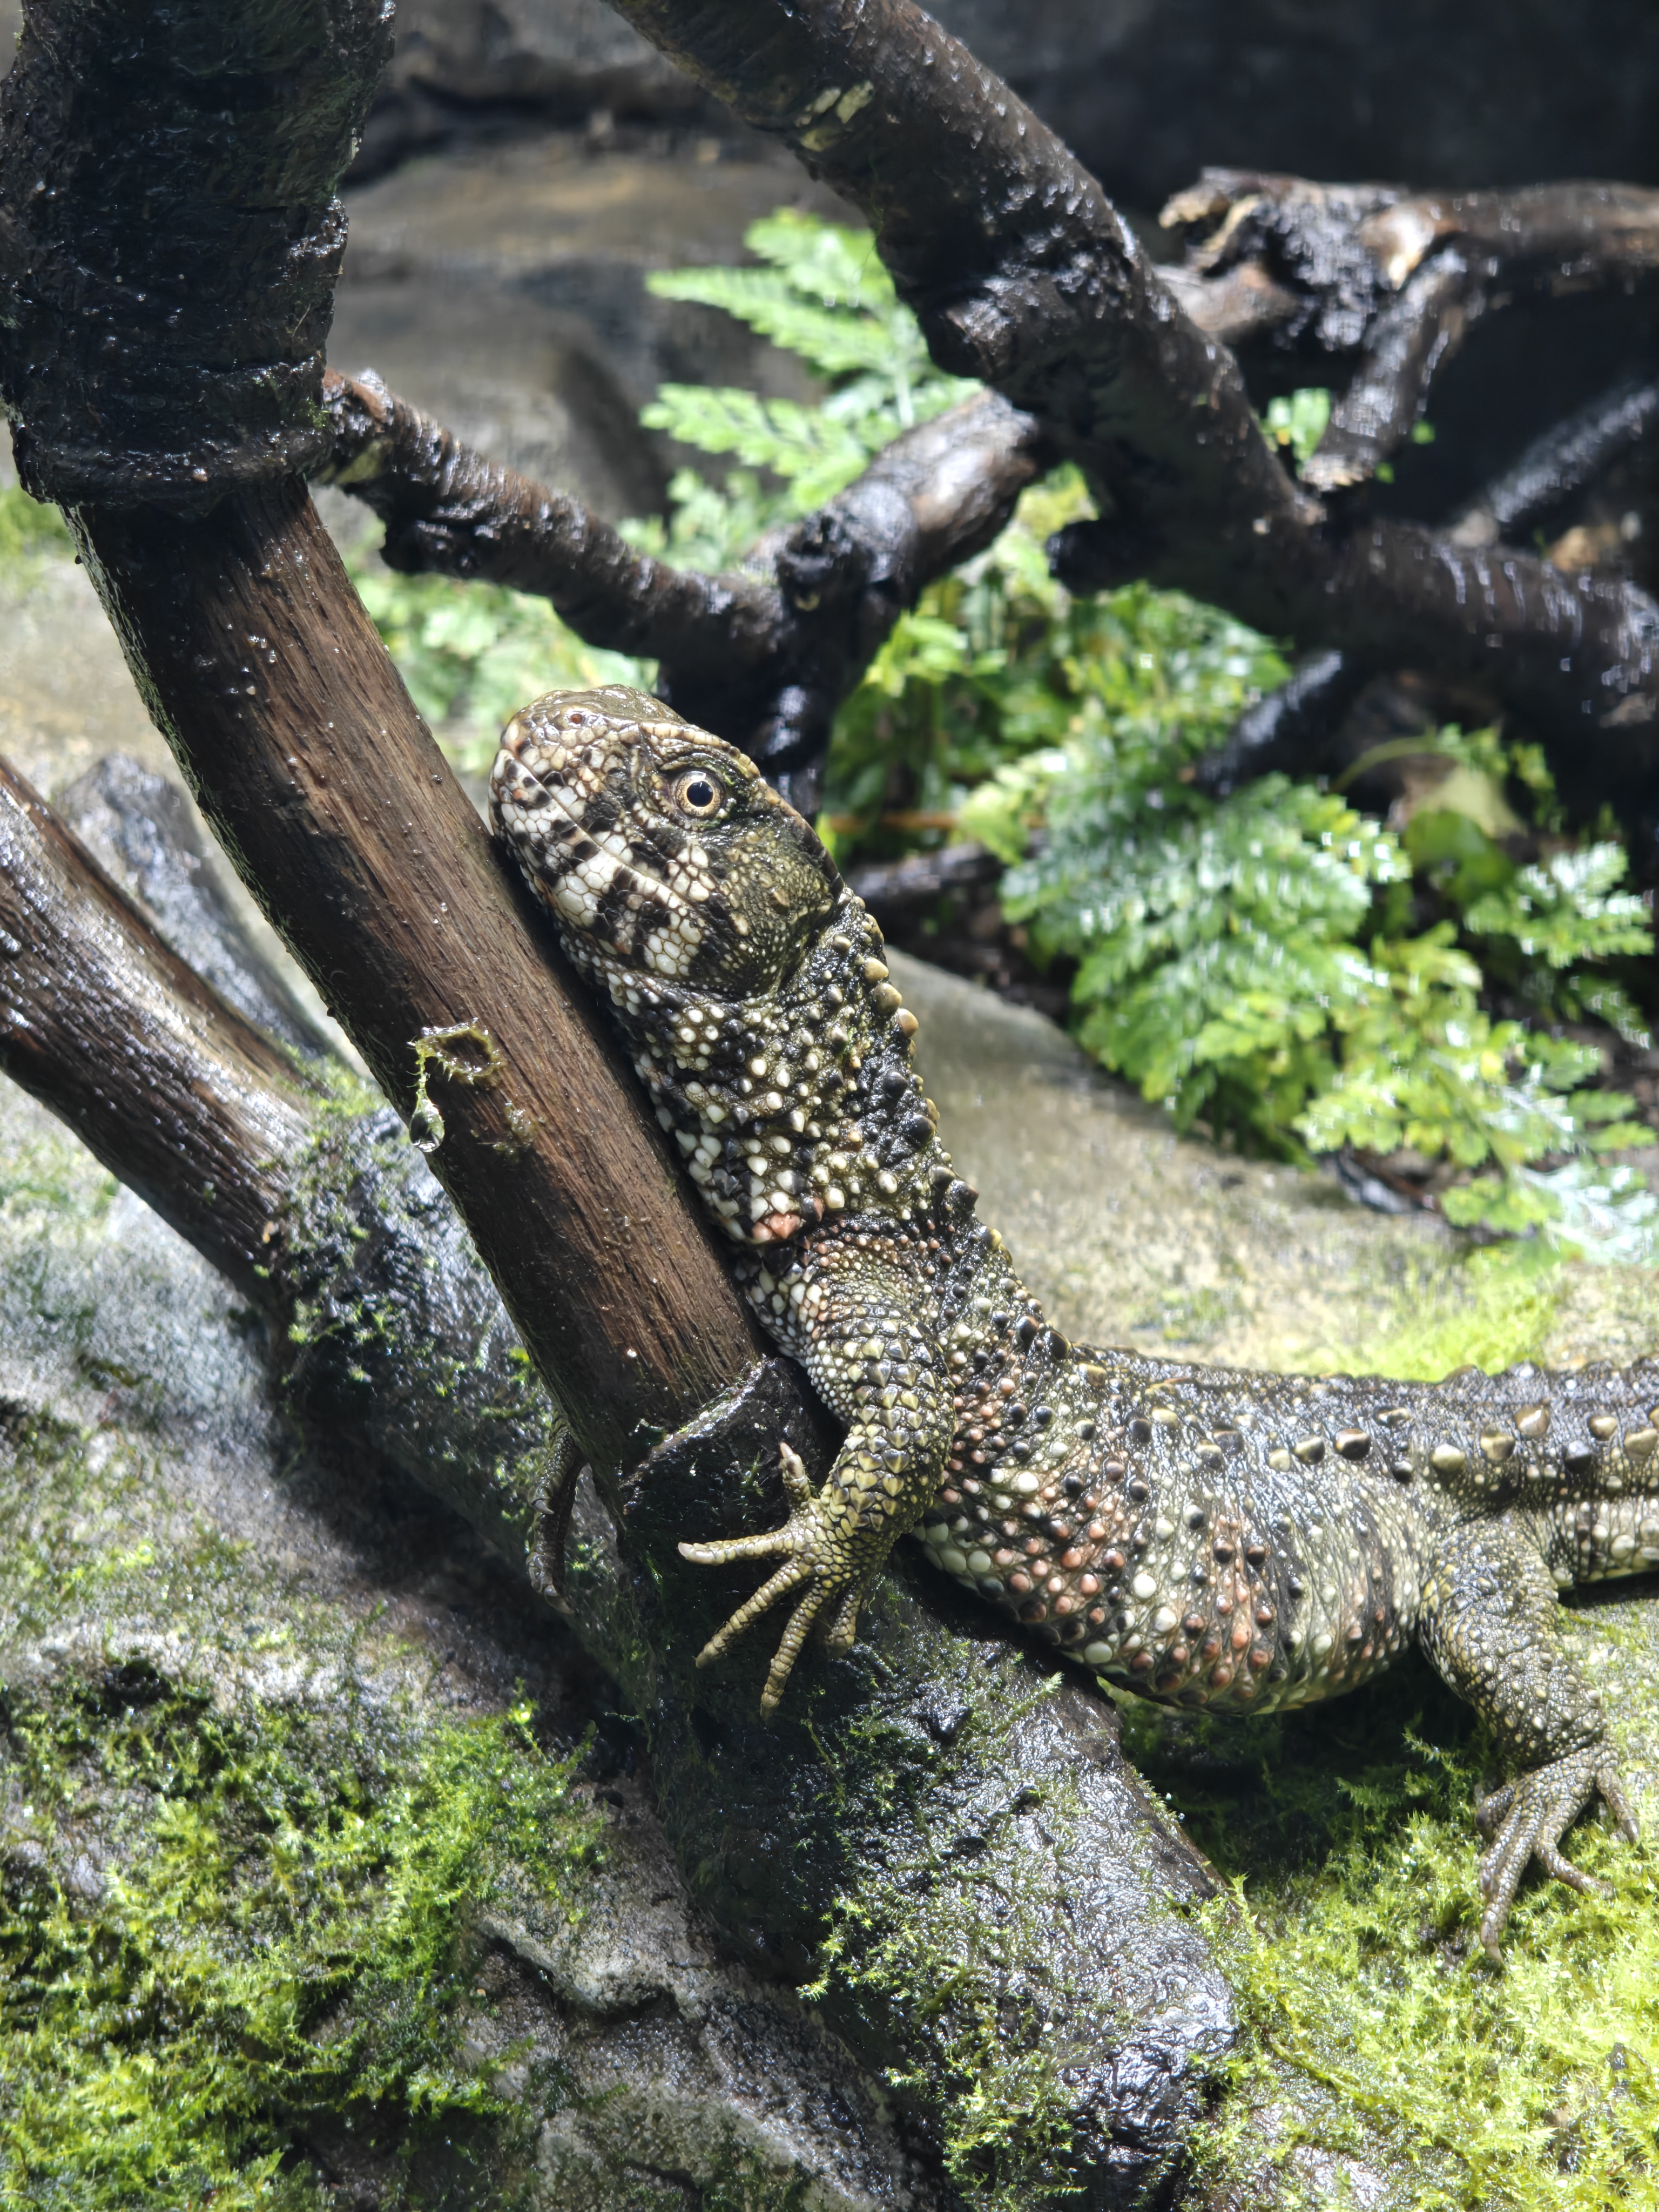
[(1233, 1542)]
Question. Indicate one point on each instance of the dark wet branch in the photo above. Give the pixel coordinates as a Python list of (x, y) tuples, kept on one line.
[(1289, 730), (104, 1023), (895, 892), (1564, 461), (1407, 344), (1292, 729), (764, 656), (447, 509), (1238, 306), (1391, 280), (1569, 234)]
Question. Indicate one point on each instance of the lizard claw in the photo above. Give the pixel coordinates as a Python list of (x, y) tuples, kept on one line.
[(809, 1557), (1530, 1815)]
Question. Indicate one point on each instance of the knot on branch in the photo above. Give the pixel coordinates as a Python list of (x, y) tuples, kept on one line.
[(166, 298)]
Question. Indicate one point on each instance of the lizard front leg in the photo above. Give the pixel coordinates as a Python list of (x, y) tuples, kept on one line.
[(1490, 1625), (883, 1373)]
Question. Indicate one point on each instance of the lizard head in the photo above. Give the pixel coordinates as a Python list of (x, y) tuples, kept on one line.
[(658, 848)]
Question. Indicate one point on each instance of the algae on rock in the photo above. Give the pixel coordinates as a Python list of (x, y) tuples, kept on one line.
[(327, 1876)]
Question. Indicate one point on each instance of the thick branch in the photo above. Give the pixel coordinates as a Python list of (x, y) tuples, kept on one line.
[(1405, 349), (173, 1091), (1397, 278), (1573, 233), (764, 658), (1021, 272), (1561, 463), (261, 668), (1290, 729), (447, 508)]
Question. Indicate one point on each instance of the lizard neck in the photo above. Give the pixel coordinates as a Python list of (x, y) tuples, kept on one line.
[(795, 1107)]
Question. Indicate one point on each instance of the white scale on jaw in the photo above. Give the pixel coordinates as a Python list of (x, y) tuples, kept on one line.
[(594, 868)]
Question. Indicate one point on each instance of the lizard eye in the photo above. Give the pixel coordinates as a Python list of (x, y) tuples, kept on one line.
[(700, 794)]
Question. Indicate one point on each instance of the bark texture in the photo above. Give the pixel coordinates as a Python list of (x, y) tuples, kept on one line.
[(763, 657), (345, 821)]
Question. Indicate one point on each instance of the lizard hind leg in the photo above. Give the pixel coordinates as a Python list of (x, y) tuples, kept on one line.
[(1490, 1625)]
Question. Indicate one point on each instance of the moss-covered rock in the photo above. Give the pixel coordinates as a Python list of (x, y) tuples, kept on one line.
[(327, 1881)]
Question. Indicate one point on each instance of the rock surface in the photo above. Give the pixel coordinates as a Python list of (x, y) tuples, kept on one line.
[(1131, 1235), (501, 289), (1147, 95)]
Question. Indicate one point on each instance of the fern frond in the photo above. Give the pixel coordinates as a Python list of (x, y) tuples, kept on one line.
[(817, 457), (835, 343), (826, 261)]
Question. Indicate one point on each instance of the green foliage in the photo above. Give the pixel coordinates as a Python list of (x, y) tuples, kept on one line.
[(284, 1933), (1298, 420), (825, 295), (1372, 2027), (1245, 961), (1496, 1306), (29, 529)]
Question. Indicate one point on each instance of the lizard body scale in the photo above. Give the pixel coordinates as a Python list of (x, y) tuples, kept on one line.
[(1229, 1540)]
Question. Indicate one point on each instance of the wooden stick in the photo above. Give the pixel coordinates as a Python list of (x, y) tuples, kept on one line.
[(173, 1091), (345, 821)]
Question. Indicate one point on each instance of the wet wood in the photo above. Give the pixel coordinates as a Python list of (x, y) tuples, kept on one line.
[(174, 1092), (343, 819)]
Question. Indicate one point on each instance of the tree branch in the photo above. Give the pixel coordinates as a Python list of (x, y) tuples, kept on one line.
[(1561, 463), (344, 820), (763, 657), (1292, 729), (1394, 278), (104, 1023)]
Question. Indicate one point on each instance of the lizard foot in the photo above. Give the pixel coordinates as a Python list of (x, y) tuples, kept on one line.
[(1530, 1815), (812, 1546)]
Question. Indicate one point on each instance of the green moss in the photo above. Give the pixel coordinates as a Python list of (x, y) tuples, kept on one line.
[(393, 1327), (1375, 2031), (1493, 1308), (229, 1914), (29, 531), (44, 1180)]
